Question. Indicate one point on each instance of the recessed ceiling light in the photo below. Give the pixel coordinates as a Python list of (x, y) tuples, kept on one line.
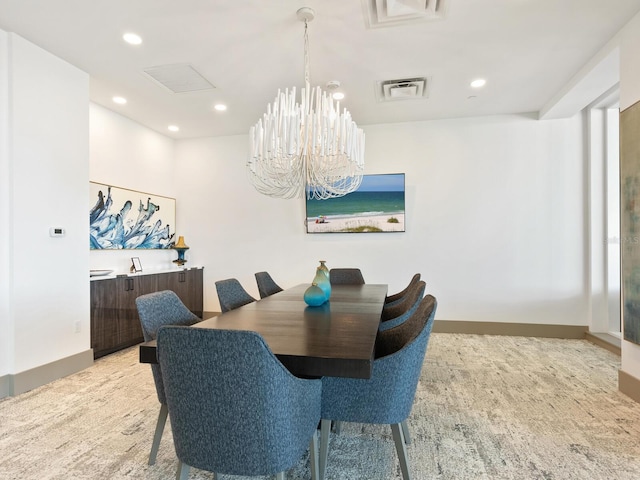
[(332, 87), (132, 38), (478, 83), (220, 107), (119, 100), (174, 128)]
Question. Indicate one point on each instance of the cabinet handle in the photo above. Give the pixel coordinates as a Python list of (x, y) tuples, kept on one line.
[(128, 286), (181, 277)]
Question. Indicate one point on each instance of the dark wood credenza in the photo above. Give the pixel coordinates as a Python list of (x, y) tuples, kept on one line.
[(114, 317)]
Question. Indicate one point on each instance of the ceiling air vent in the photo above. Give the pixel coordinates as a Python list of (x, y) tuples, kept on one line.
[(181, 78), (402, 89), (387, 13)]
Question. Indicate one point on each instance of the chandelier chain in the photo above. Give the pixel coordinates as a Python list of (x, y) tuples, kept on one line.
[(307, 80)]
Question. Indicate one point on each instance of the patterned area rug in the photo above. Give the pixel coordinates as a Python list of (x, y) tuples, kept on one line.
[(487, 407)]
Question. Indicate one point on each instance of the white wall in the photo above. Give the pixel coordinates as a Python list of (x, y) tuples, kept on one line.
[(48, 136), (597, 159), (127, 155), (630, 94), (6, 321), (495, 218)]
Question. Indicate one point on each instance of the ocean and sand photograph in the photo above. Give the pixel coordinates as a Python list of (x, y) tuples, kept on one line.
[(376, 206)]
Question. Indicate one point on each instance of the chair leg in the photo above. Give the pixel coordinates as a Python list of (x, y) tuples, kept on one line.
[(405, 432), (401, 448), (162, 419), (313, 457), (183, 471), (325, 428), (338, 426)]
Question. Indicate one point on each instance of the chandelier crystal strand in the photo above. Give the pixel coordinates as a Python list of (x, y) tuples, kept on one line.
[(308, 146)]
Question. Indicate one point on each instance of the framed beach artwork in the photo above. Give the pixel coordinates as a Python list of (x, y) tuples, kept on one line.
[(377, 206), (126, 219)]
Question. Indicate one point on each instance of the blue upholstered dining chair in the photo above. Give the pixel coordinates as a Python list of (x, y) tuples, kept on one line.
[(234, 408), (386, 397), (232, 295), (346, 276), (266, 285), (399, 312), (396, 297), (393, 315), (156, 310)]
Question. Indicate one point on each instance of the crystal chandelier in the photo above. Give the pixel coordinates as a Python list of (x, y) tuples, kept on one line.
[(308, 146)]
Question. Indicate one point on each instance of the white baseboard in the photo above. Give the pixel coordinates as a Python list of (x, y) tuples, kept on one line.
[(629, 385), (18, 383), (6, 386), (510, 329)]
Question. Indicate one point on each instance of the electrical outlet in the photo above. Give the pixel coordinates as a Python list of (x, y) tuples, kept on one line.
[(78, 326)]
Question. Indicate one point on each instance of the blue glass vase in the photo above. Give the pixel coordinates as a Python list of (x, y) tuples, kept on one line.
[(314, 296), (322, 281), (324, 268)]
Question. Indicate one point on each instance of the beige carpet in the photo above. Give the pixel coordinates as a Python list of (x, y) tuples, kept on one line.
[(487, 407)]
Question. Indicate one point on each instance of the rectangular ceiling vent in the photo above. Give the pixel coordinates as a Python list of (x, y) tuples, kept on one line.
[(389, 13), (402, 89), (180, 78)]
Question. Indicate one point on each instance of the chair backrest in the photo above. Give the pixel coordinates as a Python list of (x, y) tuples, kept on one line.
[(398, 296), (157, 310), (162, 308), (394, 310), (232, 295), (346, 276), (234, 408), (266, 285), (394, 339), (409, 304)]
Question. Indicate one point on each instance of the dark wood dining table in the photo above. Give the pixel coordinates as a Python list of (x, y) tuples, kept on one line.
[(334, 339)]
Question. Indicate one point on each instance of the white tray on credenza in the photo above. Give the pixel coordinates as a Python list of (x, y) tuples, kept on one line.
[(99, 273)]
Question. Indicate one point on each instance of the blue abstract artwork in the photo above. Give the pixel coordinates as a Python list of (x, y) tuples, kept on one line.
[(125, 219)]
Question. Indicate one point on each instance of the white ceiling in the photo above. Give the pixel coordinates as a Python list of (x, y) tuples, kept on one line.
[(528, 51)]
